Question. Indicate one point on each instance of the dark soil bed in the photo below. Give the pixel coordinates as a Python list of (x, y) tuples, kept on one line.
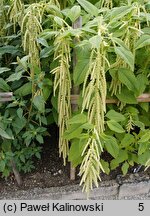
[(50, 172)]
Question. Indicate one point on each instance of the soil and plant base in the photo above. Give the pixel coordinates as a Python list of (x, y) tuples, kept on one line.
[(43, 58)]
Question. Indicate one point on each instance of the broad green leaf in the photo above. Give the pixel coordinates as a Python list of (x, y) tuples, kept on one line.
[(2, 165), (127, 140), (74, 131), (22, 158), (142, 148), (6, 145), (143, 80), (4, 69), (111, 146), (46, 92), (123, 156), (82, 64), (105, 166), (18, 124), (144, 40), (39, 138), (145, 137), (74, 13), (3, 85), (115, 126), (126, 55), (140, 125), (37, 154), (95, 41), (58, 20), (14, 77), (145, 106), (23, 62), (87, 126), (43, 42), (20, 112), (8, 49), (116, 116), (78, 119), (125, 168), (46, 52), (75, 152), (128, 78), (4, 134), (143, 158), (127, 96), (119, 12), (24, 90), (146, 30), (39, 103), (88, 7), (119, 42)]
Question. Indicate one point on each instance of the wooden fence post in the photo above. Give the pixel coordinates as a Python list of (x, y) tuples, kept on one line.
[(75, 89)]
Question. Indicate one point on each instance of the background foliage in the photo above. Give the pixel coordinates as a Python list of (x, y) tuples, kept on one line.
[(37, 48)]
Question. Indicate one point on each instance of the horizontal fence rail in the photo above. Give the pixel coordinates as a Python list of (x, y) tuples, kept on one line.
[(141, 99), (6, 96)]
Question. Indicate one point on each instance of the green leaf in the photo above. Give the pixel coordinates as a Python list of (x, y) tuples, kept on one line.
[(82, 66), (43, 42), (4, 134), (78, 119), (127, 96), (46, 52), (8, 49), (37, 154), (144, 40), (74, 131), (111, 146), (105, 166), (143, 80), (116, 116), (4, 69), (24, 90), (87, 126), (6, 145), (74, 13), (128, 78), (145, 137), (115, 126), (125, 168), (39, 103), (119, 12), (14, 77), (39, 138), (18, 124), (127, 140), (75, 151), (2, 165), (22, 158), (88, 7), (140, 125), (58, 20), (123, 155), (143, 158), (95, 41), (3, 85), (20, 112), (126, 55), (142, 148), (119, 42)]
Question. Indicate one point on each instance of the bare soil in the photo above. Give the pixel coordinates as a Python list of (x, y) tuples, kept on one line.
[(50, 171)]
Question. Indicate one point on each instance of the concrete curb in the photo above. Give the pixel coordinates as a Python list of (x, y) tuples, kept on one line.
[(107, 190)]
